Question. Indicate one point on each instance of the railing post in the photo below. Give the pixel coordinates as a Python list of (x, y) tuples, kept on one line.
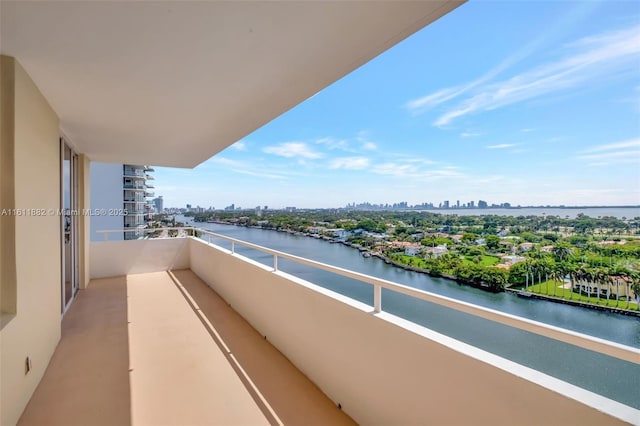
[(275, 262), (377, 299), (209, 238), (233, 247)]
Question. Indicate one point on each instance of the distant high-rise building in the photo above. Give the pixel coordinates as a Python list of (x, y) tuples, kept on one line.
[(482, 204), (458, 203), (446, 204), (472, 204), (158, 204)]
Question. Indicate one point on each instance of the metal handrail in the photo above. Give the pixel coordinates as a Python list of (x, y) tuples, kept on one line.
[(614, 349)]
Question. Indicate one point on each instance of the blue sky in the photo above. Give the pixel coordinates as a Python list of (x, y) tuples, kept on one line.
[(521, 102)]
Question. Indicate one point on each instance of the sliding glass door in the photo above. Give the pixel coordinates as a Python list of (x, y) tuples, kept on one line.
[(69, 224)]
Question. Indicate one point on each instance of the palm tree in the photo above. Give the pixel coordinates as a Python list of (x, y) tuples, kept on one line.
[(581, 274), (601, 277), (562, 252), (633, 283), (560, 271), (529, 267)]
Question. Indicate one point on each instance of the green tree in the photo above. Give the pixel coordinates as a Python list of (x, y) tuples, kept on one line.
[(492, 242)]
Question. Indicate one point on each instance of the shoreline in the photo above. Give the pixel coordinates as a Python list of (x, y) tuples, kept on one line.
[(522, 293), (519, 293)]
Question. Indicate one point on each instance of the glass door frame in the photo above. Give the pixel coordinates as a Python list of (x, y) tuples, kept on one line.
[(68, 223)]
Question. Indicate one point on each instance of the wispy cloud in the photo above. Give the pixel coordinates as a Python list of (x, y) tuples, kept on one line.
[(359, 143), (414, 171), (365, 142), (587, 59), (501, 146), (244, 168), (259, 174), (293, 150), (623, 152), (631, 143), (469, 134), (239, 146), (333, 144), (349, 163)]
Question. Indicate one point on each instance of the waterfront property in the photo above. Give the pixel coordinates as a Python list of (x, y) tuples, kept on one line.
[(183, 331)]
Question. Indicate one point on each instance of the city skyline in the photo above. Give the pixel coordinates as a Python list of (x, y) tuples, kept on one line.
[(534, 103)]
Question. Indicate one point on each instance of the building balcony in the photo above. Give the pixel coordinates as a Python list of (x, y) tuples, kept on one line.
[(133, 187), (188, 331), (163, 348)]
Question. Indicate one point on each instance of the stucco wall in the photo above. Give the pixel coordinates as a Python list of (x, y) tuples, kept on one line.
[(34, 330), (115, 258)]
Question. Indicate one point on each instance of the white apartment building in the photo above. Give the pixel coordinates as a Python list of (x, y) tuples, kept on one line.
[(119, 194)]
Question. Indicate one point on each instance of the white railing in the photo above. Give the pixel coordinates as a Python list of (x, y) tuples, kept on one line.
[(589, 342), (582, 340), (144, 232)]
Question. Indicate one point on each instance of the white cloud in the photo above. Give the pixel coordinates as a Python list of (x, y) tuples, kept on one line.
[(501, 146), (332, 143), (239, 146), (293, 150), (624, 156), (414, 171), (245, 168), (349, 163), (259, 174), (469, 134), (623, 152), (589, 59), (395, 169), (631, 143), (369, 146)]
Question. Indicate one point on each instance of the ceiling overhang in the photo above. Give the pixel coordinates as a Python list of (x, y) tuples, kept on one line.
[(174, 83)]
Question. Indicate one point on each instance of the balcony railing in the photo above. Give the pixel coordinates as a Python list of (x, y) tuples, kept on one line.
[(620, 360), (133, 186)]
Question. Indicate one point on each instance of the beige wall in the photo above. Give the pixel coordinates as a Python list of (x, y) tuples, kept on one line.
[(116, 258), (8, 291), (84, 222), (34, 330), (381, 369)]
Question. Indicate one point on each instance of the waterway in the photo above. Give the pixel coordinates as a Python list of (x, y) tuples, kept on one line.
[(610, 377)]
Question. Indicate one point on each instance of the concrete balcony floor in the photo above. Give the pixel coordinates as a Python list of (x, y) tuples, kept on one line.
[(163, 348)]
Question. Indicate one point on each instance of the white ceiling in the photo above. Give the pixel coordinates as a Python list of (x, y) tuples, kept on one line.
[(173, 83)]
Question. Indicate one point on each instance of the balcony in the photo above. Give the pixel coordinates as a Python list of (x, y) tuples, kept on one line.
[(163, 348), (188, 331), (132, 187)]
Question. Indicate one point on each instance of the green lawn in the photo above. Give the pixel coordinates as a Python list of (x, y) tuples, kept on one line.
[(568, 294), (415, 262), (486, 260)]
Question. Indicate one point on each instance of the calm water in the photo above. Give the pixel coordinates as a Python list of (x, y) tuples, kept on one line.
[(613, 378)]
